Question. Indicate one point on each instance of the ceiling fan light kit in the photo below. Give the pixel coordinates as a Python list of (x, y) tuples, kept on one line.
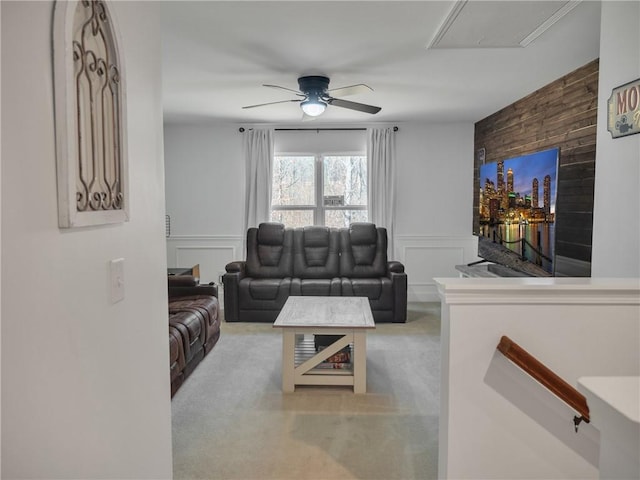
[(314, 107), (316, 96)]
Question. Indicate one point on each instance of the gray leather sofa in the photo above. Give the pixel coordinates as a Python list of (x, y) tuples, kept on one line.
[(317, 261)]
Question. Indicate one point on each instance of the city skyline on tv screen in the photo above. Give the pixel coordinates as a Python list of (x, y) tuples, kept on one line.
[(524, 169)]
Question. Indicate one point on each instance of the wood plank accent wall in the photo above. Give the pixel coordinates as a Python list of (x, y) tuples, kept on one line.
[(562, 114)]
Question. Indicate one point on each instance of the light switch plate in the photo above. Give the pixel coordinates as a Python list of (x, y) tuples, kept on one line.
[(116, 280)]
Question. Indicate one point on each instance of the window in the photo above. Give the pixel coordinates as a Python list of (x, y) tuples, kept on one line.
[(326, 190)]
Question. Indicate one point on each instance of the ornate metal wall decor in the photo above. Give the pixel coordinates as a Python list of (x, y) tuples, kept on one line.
[(90, 115)]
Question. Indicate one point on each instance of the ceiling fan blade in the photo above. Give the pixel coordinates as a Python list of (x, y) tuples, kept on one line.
[(361, 107), (350, 90), (273, 103), (297, 92)]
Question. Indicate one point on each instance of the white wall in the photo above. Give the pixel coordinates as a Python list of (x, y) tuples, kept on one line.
[(204, 179), (616, 222), (85, 383), (319, 142), (205, 175), (205, 167), (435, 199)]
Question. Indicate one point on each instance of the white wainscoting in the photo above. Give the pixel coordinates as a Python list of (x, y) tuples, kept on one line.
[(424, 257), (428, 256), (211, 252)]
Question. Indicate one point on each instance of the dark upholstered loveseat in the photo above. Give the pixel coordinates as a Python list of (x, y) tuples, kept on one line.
[(318, 261), (194, 325)]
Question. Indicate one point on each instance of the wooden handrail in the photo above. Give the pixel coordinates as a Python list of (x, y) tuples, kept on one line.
[(546, 377)]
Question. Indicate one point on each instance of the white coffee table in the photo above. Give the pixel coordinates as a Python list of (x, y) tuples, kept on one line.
[(303, 317)]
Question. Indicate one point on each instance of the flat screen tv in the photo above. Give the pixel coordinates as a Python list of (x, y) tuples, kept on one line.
[(516, 210)]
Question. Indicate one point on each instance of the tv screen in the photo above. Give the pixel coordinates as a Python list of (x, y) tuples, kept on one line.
[(517, 205)]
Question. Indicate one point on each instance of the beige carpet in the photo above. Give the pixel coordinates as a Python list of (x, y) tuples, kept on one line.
[(232, 421)]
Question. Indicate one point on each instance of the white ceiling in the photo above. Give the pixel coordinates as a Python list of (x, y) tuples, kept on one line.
[(434, 61)]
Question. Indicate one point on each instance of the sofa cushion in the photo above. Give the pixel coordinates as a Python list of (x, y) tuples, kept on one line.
[(270, 243), (315, 245), (316, 252), (379, 291), (323, 287), (203, 307), (193, 324), (191, 328), (265, 289), (263, 293), (269, 251), (363, 251), (363, 238), (271, 233), (362, 233)]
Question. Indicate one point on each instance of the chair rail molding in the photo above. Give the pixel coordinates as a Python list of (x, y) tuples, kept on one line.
[(429, 256), (424, 257), (211, 252), (90, 115)]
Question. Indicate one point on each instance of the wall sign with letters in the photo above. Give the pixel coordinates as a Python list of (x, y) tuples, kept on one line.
[(334, 200), (623, 116)]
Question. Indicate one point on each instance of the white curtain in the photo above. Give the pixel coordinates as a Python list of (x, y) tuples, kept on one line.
[(258, 151), (382, 181)]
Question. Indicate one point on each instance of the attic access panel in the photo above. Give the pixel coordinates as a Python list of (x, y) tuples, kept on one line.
[(498, 24)]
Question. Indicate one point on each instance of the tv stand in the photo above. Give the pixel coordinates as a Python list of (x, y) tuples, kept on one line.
[(486, 269), (504, 271)]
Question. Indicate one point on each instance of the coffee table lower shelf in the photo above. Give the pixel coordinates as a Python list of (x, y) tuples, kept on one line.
[(302, 365), (305, 349)]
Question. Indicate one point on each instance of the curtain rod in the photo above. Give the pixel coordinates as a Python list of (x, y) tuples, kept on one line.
[(242, 129)]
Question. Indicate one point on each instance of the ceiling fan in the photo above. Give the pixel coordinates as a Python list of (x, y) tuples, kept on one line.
[(315, 96)]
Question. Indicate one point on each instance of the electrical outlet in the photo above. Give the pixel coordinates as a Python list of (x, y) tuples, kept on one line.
[(116, 280), (220, 275)]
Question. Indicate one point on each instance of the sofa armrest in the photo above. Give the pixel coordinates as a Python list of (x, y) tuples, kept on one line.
[(182, 281), (399, 281), (231, 282), (184, 285), (236, 267), (395, 266)]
